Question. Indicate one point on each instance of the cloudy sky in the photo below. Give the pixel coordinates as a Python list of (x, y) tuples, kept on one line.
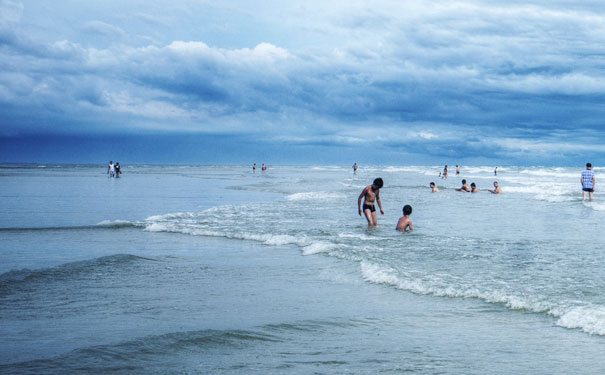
[(330, 82)]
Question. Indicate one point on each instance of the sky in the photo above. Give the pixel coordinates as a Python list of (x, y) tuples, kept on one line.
[(303, 82)]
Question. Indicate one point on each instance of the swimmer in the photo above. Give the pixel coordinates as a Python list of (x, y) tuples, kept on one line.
[(371, 194), (474, 188), (497, 189), (404, 222), (464, 188), (433, 188)]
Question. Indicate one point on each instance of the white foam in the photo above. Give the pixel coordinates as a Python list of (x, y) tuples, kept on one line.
[(588, 319), (594, 205), (551, 172), (318, 247), (384, 275), (312, 195), (473, 170), (327, 168), (414, 169), (357, 236), (170, 216), (116, 223), (157, 227)]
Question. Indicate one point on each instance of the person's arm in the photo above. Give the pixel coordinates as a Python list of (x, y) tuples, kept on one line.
[(379, 203), (363, 192), (410, 225)]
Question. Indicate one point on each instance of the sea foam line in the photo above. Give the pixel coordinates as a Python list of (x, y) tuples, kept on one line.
[(590, 319)]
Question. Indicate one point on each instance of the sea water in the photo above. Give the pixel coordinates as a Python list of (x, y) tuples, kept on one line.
[(215, 269)]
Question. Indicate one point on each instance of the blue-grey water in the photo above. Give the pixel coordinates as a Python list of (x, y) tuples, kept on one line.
[(215, 269)]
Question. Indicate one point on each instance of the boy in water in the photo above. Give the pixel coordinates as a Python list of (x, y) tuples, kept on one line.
[(497, 189), (474, 188), (433, 188), (371, 194), (404, 222)]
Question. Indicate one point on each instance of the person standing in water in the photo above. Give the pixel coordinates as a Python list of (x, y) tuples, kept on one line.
[(496, 171), (457, 170), (355, 168), (444, 176), (588, 182), (370, 195), (118, 170), (111, 169), (254, 168)]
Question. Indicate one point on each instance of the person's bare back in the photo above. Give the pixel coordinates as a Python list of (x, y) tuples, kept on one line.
[(405, 223)]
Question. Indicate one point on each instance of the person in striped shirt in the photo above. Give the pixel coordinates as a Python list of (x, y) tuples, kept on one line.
[(588, 182)]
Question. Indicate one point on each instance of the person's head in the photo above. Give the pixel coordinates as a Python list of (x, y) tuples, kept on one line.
[(111, 162), (463, 182), (495, 183), (432, 184), (473, 185), (378, 183), (588, 166), (407, 210)]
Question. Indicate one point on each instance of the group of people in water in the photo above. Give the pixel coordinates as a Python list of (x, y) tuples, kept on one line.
[(114, 170), (371, 196), (263, 168), (444, 174)]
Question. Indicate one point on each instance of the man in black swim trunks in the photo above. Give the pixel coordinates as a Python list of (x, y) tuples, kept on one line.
[(371, 194)]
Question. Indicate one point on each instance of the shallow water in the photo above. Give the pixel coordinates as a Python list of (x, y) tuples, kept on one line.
[(216, 269)]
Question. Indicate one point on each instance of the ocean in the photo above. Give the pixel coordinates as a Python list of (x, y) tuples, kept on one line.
[(218, 270)]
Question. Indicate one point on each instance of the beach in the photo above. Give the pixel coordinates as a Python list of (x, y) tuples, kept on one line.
[(215, 269)]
